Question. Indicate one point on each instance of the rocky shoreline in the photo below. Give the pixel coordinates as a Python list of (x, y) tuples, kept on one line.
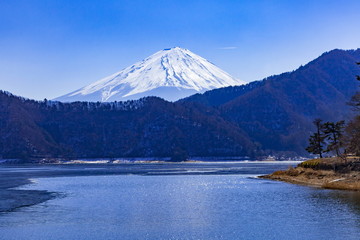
[(330, 173)]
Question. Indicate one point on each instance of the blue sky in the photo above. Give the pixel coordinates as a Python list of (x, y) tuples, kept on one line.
[(51, 47)]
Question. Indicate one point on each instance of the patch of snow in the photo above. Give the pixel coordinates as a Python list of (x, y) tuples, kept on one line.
[(337, 180), (177, 70), (86, 162)]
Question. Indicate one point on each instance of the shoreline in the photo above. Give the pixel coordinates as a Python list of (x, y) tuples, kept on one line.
[(124, 160), (324, 173)]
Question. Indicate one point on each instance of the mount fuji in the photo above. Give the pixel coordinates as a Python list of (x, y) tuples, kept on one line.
[(171, 74)]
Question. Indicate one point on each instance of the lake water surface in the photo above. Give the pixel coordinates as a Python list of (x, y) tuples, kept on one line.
[(197, 201)]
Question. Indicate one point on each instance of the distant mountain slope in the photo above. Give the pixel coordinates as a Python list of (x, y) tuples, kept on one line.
[(221, 96), (149, 127), (273, 116), (170, 74), (333, 65), (277, 112), (20, 135), (156, 128)]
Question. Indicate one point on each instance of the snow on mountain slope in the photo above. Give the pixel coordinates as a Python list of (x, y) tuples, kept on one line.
[(170, 74)]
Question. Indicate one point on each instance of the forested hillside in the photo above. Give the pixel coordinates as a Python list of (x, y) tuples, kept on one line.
[(273, 116), (278, 111), (149, 127)]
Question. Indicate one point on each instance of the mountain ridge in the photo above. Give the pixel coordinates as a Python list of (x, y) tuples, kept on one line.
[(278, 112)]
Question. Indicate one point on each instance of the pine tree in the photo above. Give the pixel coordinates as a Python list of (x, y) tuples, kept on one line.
[(353, 134), (317, 140), (334, 136), (355, 100), (353, 129)]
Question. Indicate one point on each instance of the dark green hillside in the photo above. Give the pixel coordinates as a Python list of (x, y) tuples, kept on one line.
[(278, 111), (149, 127), (20, 134), (221, 96)]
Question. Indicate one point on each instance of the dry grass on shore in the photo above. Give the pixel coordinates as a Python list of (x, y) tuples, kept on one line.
[(332, 173)]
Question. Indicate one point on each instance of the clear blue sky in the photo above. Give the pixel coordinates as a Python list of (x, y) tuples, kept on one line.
[(51, 47)]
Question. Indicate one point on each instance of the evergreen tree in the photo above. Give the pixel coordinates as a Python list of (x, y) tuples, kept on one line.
[(334, 136), (317, 140), (355, 100), (179, 155), (353, 129), (353, 134)]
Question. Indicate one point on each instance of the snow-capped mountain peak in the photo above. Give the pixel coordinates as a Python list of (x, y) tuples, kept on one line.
[(171, 73)]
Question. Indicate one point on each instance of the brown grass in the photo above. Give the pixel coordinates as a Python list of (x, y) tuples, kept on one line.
[(306, 174), (279, 173)]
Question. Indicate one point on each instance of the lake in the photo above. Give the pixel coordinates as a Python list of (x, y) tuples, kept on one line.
[(180, 201)]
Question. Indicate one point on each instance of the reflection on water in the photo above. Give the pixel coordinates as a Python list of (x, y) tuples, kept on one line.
[(230, 206), (348, 199)]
